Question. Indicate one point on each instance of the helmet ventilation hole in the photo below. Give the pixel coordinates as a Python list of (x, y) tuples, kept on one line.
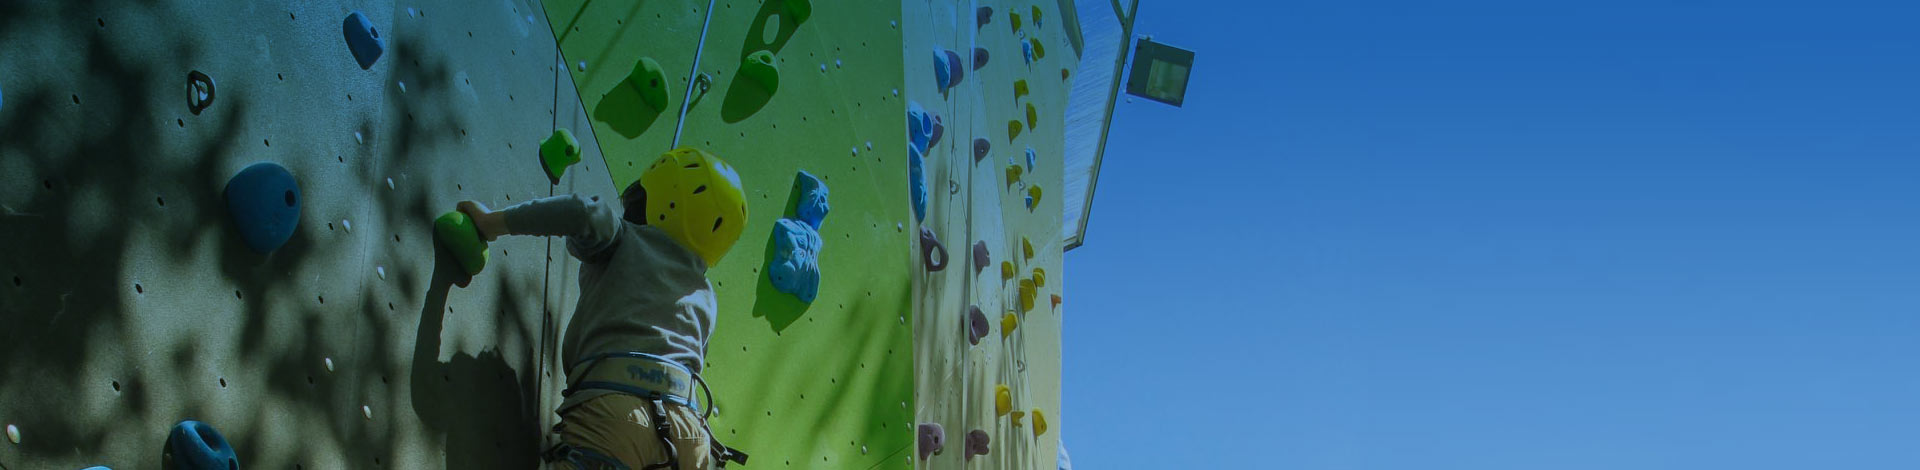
[(716, 223), (701, 189), (692, 165)]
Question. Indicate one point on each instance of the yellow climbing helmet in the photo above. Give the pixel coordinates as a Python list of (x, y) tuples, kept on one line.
[(696, 199)]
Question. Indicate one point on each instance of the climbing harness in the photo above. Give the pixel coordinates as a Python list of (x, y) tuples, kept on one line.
[(659, 381)]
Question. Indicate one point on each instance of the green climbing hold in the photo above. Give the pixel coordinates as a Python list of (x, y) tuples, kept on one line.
[(799, 10), (651, 81), (557, 153), (457, 232), (761, 68)]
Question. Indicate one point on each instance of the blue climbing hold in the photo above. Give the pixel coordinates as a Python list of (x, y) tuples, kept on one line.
[(919, 127), (194, 445), (795, 267), (1026, 50), (939, 129), (363, 39), (956, 69), (916, 167), (941, 73), (812, 207), (264, 201), (1029, 159)]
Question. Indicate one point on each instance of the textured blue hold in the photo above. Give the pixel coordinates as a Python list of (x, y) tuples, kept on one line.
[(795, 267), (812, 207), (917, 172), (264, 201), (1026, 51), (919, 127), (363, 39), (941, 73), (197, 446), (1029, 159)]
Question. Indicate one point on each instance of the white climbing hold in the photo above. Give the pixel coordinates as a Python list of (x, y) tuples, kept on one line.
[(366, 411), (381, 270), (893, 24), (529, 19), (823, 67), (348, 225), (856, 151), (403, 86), (836, 64), (583, 66), (896, 92), (13, 433), (899, 227), (329, 363), (903, 321), (389, 183), (869, 145), (359, 139), (411, 13), (863, 450)]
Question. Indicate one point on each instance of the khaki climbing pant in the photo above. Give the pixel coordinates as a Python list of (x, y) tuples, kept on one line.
[(621, 426)]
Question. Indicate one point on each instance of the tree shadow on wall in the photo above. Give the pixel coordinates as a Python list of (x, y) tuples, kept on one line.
[(482, 406), (744, 98), (780, 309), (623, 110), (757, 38)]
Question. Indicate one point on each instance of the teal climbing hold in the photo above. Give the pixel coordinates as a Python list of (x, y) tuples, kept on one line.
[(919, 127), (799, 10), (363, 40), (456, 232), (795, 266), (264, 201), (651, 81), (761, 68), (558, 152), (193, 445), (812, 207), (917, 184)]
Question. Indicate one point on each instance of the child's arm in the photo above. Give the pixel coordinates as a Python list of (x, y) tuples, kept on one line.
[(591, 227)]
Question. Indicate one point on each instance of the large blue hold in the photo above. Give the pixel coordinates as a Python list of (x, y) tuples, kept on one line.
[(264, 201), (812, 207), (795, 267), (363, 39), (194, 445), (919, 127), (917, 172)]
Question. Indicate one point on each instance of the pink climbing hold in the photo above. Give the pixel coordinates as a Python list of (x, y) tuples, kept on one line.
[(979, 58), (939, 129), (929, 248), (933, 439), (977, 326), (955, 67), (983, 16), (1056, 301), (980, 148), (980, 258), (977, 443)]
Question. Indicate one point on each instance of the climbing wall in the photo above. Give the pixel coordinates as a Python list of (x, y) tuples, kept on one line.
[(987, 348), (132, 302)]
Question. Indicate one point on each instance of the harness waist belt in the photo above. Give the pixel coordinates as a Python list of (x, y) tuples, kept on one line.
[(638, 374)]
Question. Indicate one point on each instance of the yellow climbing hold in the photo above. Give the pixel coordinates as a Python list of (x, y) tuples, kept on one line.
[(1015, 19), (1027, 294), (1039, 423), (1017, 414), (1026, 247), (1036, 16), (1002, 400), (1013, 174), (1008, 323), (1039, 51), (1013, 129), (1039, 277), (1006, 270), (1033, 197), (1033, 114), (1019, 89)]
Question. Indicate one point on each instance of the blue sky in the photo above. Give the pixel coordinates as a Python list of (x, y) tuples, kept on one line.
[(1509, 235)]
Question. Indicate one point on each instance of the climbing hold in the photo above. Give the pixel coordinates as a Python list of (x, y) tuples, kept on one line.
[(795, 267), (1013, 174), (939, 129), (977, 444), (919, 127), (980, 259), (917, 183), (558, 152), (1016, 415), (980, 57), (366, 411), (1033, 197), (799, 10), (1039, 50), (932, 439), (1033, 114), (1056, 301), (200, 92), (1064, 74), (582, 66), (1030, 158), (1027, 293), (1039, 423), (457, 232), (651, 81), (1039, 277), (941, 74), (13, 434), (1014, 18), (1026, 247), (1013, 130), (933, 254), (363, 40), (1020, 89), (359, 139), (1002, 400), (955, 67), (976, 325), (980, 148), (328, 362), (1006, 270), (761, 68), (193, 445), (1026, 52), (812, 207), (264, 201), (1008, 323), (982, 16), (403, 86), (1036, 16)]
